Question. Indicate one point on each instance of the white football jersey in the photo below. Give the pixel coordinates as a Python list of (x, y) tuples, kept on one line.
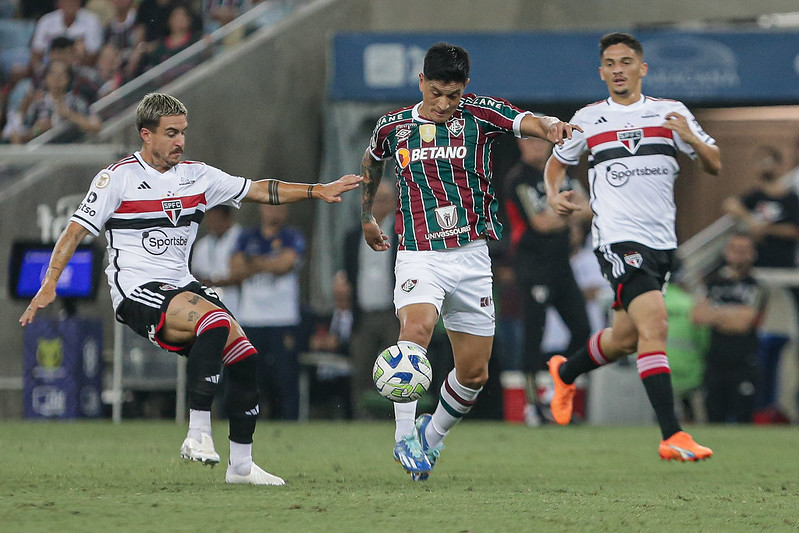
[(151, 219), (632, 168)]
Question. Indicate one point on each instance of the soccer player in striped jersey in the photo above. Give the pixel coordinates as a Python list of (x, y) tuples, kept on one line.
[(446, 212), (151, 205), (633, 141)]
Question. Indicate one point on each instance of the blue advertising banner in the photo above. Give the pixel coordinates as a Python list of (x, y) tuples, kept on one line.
[(63, 368), (717, 67)]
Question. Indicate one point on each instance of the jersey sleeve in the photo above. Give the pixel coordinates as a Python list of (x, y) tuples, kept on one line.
[(103, 198), (379, 145), (495, 115), (571, 150), (224, 188), (696, 129)]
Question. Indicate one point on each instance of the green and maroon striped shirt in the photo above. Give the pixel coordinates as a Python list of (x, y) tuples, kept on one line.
[(446, 198)]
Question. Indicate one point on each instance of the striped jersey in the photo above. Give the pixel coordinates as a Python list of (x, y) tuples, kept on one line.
[(446, 198), (632, 168), (151, 219)]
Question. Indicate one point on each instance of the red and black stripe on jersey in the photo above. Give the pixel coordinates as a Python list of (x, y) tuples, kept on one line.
[(666, 147), (145, 209)]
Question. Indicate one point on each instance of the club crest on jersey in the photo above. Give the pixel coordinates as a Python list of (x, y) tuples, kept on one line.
[(172, 208), (409, 285), (446, 216), (167, 287), (428, 132), (633, 259), (631, 139), (456, 126)]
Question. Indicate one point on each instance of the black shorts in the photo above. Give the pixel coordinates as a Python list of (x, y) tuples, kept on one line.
[(144, 310), (633, 269)]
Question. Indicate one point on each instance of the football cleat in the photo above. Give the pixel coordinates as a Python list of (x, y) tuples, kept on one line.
[(202, 451), (431, 452), (408, 453), (257, 476), (563, 395), (681, 447)]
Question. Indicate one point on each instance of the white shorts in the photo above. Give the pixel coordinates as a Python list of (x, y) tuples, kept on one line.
[(457, 281)]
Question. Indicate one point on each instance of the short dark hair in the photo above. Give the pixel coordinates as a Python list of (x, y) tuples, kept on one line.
[(620, 38), (446, 62)]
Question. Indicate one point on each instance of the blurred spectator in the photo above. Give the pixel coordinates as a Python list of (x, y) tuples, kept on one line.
[(686, 343), (210, 258), (120, 30), (542, 250), (70, 20), (334, 337), (371, 274), (217, 13), (151, 20), (85, 80), (266, 261), (109, 70), (55, 106), (770, 212), (181, 33), (732, 305)]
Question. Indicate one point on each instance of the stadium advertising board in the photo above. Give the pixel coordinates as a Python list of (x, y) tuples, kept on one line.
[(733, 67)]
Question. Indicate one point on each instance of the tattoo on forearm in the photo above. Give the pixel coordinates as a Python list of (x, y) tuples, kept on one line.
[(372, 172), (274, 198), (310, 191)]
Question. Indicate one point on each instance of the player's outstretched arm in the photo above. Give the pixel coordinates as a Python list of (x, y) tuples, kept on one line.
[(271, 191), (560, 201), (372, 171), (552, 129), (69, 240)]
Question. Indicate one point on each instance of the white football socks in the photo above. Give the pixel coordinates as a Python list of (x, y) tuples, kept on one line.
[(240, 458), (199, 423)]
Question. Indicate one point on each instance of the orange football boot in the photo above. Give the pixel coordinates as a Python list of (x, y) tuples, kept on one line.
[(563, 397), (681, 447)]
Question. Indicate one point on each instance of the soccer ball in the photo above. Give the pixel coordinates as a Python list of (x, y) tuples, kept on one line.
[(402, 375)]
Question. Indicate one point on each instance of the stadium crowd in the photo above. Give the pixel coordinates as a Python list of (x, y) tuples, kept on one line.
[(103, 43)]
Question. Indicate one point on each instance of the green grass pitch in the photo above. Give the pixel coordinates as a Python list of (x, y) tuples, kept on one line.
[(493, 477)]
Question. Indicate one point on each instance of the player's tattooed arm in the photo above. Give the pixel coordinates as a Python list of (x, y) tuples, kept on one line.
[(69, 240), (372, 172)]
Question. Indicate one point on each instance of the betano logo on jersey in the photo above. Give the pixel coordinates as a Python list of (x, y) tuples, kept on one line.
[(405, 156), (172, 208)]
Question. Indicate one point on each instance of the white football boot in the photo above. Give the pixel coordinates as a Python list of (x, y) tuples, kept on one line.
[(257, 476), (203, 452)]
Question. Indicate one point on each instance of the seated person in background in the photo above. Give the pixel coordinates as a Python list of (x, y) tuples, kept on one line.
[(217, 13), (109, 70), (56, 105), (733, 305), (71, 20), (335, 337), (120, 30), (181, 33)]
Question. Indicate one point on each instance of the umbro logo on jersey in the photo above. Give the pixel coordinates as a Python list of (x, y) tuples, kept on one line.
[(601, 120), (172, 208), (403, 134), (144, 185)]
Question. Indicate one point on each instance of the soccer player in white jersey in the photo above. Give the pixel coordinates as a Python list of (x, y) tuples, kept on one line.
[(446, 212), (151, 204), (632, 142)]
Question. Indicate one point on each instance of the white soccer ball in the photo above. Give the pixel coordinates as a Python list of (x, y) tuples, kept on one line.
[(402, 375)]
